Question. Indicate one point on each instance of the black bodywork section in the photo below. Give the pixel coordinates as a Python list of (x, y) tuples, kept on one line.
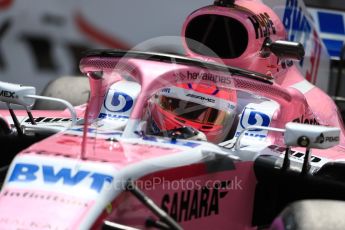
[(11, 145), (277, 188)]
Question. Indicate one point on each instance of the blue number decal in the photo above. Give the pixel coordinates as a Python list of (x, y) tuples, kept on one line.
[(254, 118), (118, 102)]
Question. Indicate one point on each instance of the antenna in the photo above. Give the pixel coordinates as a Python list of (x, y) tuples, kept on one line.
[(224, 3)]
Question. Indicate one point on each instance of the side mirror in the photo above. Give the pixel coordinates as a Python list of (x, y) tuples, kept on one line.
[(311, 136), (301, 135), (308, 136), (26, 96), (15, 94), (284, 49)]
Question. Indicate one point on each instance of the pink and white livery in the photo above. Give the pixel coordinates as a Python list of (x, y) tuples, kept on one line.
[(173, 142)]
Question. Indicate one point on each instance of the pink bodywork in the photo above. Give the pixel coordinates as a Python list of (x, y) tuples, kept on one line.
[(322, 108), (251, 58), (35, 209), (191, 179)]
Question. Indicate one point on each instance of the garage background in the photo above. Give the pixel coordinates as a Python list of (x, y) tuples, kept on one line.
[(42, 40)]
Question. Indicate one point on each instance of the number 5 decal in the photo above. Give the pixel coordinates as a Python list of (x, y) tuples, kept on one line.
[(118, 101)]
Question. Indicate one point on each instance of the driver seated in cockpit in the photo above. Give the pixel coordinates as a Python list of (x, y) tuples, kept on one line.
[(190, 111), (177, 110)]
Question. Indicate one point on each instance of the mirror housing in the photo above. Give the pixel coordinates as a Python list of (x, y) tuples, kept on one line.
[(284, 49), (311, 136), (16, 94)]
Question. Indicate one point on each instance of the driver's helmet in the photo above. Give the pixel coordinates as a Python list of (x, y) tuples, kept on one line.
[(206, 108)]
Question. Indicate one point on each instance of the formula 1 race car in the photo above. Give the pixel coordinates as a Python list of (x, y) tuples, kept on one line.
[(120, 166), (174, 142)]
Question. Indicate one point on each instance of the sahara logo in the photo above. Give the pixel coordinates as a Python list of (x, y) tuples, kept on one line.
[(118, 101), (194, 204), (253, 117), (29, 173)]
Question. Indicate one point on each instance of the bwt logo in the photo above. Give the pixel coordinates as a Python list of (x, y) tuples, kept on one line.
[(118, 101), (165, 90), (27, 173), (256, 118)]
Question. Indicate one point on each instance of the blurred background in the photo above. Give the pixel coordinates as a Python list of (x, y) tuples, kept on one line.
[(42, 40)]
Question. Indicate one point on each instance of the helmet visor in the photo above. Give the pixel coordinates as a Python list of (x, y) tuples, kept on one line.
[(192, 111)]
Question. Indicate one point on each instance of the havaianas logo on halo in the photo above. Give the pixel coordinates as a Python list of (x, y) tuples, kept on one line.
[(195, 76)]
